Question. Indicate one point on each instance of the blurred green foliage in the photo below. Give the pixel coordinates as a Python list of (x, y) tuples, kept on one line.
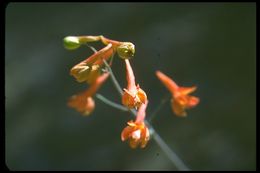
[(211, 45)]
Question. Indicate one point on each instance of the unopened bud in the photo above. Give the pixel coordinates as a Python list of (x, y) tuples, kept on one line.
[(71, 42), (126, 50)]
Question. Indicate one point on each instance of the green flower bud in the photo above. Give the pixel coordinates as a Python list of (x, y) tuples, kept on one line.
[(71, 42), (126, 50)]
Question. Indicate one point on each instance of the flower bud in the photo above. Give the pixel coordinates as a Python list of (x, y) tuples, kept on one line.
[(126, 50), (71, 42)]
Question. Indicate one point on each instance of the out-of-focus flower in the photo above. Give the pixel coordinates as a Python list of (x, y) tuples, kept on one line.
[(89, 69), (133, 96), (136, 132), (83, 102), (181, 100)]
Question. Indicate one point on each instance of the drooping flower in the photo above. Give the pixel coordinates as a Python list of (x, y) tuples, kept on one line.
[(83, 102), (89, 69), (133, 96), (181, 100), (137, 132)]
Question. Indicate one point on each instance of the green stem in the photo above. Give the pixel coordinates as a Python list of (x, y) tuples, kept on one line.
[(113, 78), (110, 103), (163, 101), (91, 47), (169, 152)]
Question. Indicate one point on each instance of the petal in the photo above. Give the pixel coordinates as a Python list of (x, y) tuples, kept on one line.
[(144, 142), (75, 101), (89, 106), (168, 82), (178, 109), (141, 95), (128, 99), (145, 137), (126, 133), (192, 101), (136, 134), (182, 100), (130, 76), (107, 41), (133, 143), (96, 84), (93, 74), (82, 104), (80, 72), (141, 113), (187, 90), (105, 53), (131, 123)]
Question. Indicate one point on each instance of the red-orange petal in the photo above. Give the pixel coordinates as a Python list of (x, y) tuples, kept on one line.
[(105, 53), (113, 42), (96, 84), (141, 95), (130, 76), (167, 81), (186, 90), (128, 99), (177, 108), (126, 133), (192, 101), (82, 104), (144, 137), (133, 143)]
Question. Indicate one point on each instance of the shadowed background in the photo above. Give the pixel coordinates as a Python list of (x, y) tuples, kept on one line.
[(211, 45)]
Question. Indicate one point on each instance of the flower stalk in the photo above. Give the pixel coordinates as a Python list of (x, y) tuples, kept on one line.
[(94, 70)]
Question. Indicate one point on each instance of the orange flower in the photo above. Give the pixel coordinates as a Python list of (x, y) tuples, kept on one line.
[(137, 132), (133, 96), (83, 102), (181, 99), (89, 69)]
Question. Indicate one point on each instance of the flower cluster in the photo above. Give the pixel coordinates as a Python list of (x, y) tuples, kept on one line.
[(93, 70)]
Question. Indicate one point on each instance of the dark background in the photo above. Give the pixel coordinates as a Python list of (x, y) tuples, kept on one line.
[(211, 45)]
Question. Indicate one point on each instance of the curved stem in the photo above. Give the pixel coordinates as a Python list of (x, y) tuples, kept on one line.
[(161, 104), (169, 152), (110, 103), (113, 78), (91, 47)]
